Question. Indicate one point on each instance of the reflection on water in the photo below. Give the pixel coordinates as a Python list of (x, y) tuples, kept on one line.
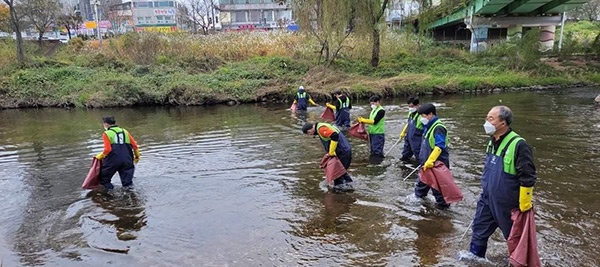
[(239, 186)]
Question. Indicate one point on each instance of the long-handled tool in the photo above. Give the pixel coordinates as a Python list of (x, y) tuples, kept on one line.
[(397, 142), (466, 231), (411, 173)]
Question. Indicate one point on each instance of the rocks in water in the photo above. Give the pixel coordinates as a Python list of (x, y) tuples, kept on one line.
[(597, 99)]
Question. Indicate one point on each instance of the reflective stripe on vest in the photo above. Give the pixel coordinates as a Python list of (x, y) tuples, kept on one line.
[(506, 150), (377, 128), (117, 136), (319, 125), (431, 137), (415, 116), (301, 95), (344, 104)]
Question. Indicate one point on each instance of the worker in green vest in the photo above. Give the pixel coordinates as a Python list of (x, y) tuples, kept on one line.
[(507, 181), (375, 126), (434, 147), (119, 155)]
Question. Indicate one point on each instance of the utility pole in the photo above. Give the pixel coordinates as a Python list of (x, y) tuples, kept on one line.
[(96, 4)]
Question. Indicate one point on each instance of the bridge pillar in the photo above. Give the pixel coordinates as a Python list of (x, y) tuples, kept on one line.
[(547, 38), (479, 36), (514, 32)]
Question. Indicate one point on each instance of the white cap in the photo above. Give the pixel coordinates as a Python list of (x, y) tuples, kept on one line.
[(301, 87)]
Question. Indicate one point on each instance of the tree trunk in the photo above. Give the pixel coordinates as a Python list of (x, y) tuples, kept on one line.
[(326, 48), (15, 23), (376, 45), (68, 30), (40, 37)]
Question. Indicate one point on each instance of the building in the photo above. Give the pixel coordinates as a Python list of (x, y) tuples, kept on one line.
[(254, 14), (141, 15)]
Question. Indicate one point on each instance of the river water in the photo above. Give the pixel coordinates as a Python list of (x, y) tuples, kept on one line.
[(240, 186)]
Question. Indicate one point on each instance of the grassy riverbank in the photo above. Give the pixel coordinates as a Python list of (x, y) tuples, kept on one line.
[(179, 69)]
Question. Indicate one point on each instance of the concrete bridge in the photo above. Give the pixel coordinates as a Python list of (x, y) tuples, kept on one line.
[(482, 19)]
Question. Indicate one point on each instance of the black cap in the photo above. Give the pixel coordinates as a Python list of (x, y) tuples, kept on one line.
[(307, 126), (426, 109), (337, 92), (374, 98)]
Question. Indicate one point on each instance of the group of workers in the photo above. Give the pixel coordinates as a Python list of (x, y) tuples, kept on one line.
[(507, 181), (508, 176)]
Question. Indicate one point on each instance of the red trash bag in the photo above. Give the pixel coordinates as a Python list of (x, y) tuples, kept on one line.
[(358, 130), (294, 107), (92, 179), (440, 178), (328, 114), (333, 168)]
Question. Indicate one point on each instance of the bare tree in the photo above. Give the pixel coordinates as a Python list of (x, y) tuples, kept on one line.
[(371, 12), (200, 13), (15, 21), (104, 8), (68, 18), (41, 13), (329, 21), (589, 11)]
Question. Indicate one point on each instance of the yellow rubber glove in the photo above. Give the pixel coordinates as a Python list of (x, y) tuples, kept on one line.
[(366, 121), (295, 102), (136, 156), (330, 106), (332, 147), (432, 158), (525, 195), (312, 102), (403, 133), (100, 156)]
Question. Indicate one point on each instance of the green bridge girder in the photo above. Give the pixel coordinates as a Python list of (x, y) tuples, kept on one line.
[(507, 8)]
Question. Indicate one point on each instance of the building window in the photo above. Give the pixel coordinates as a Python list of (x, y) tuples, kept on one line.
[(253, 1), (268, 15), (168, 19), (142, 4), (255, 16), (163, 4), (239, 1), (240, 16)]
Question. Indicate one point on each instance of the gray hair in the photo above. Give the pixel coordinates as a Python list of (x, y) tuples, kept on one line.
[(505, 114)]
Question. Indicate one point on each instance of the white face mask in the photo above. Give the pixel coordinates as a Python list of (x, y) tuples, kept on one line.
[(411, 110), (424, 121), (489, 128), (373, 106)]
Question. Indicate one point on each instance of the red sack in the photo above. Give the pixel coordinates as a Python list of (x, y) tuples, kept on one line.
[(333, 168), (91, 180), (440, 178), (359, 130), (328, 114), (294, 107), (522, 241)]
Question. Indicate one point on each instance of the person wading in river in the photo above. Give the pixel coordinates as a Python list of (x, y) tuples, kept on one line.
[(341, 105), (336, 145), (433, 148), (375, 126), (412, 133), (119, 155), (302, 99), (507, 180)]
